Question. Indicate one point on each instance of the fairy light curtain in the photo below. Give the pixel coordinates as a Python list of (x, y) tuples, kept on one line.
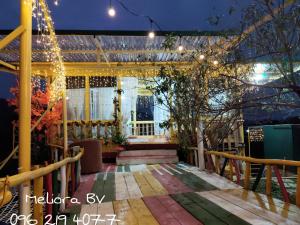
[(102, 93), (129, 98), (75, 98)]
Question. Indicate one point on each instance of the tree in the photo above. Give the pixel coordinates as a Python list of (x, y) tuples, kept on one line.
[(202, 95), (275, 41), (40, 104)]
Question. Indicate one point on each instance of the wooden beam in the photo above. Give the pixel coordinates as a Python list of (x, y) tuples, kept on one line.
[(12, 36), (100, 50), (102, 69), (8, 65)]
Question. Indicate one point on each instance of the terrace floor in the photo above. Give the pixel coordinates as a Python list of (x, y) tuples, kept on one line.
[(174, 194)]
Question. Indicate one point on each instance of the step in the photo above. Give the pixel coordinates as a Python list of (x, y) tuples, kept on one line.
[(156, 152), (144, 146), (146, 160)]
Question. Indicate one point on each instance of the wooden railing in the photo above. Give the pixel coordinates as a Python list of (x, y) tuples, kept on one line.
[(69, 167), (142, 128), (268, 164)]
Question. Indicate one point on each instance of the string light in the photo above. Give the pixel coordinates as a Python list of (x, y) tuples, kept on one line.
[(151, 34), (111, 11), (56, 2), (52, 52), (201, 57), (180, 47), (215, 62)]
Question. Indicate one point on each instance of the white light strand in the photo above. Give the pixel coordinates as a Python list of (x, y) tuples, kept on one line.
[(47, 41)]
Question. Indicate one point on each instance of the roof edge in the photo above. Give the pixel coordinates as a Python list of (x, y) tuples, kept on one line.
[(135, 32)]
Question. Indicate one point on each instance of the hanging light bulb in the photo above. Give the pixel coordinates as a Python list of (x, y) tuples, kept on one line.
[(180, 47), (111, 10), (201, 57), (151, 34)]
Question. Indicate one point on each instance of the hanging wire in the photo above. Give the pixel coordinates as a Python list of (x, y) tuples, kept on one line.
[(134, 13)]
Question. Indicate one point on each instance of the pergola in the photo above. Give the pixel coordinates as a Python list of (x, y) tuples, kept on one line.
[(84, 53), (109, 53)]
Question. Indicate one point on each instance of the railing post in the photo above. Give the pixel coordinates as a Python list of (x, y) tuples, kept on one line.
[(65, 123), (25, 104), (247, 175), (268, 180), (49, 191), (63, 186), (55, 189), (38, 192), (298, 187), (281, 184), (230, 170)]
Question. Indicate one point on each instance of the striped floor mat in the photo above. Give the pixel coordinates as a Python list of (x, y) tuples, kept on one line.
[(169, 194)]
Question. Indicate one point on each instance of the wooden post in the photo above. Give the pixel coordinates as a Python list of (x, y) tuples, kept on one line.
[(268, 180), (258, 177), (73, 178), (285, 194), (200, 146), (298, 187), (237, 171), (223, 167), (78, 173), (49, 190), (230, 170), (55, 192), (217, 164), (65, 124), (247, 176), (38, 192), (25, 105), (63, 187), (119, 86), (87, 98)]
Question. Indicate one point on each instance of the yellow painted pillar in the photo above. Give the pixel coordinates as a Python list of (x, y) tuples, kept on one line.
[(87, 98), (38, 192), (65, 123), (25, 104), (119, 86)]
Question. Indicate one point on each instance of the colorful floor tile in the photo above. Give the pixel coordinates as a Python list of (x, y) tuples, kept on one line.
[(175, 194)]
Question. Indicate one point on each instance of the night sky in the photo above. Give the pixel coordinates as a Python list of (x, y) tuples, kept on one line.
[(185, 15)]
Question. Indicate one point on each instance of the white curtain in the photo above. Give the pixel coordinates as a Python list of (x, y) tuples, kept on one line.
[(101, 103), (75, 104), (161, 114), (129, 97)]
